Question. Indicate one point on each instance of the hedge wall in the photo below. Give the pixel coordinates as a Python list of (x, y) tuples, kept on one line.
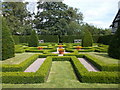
[(105, 39), (16, 39), (69, 38), (49, 38)]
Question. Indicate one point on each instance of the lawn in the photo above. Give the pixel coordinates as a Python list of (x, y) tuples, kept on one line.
[(19, 57), (103, 57), (61, 76)]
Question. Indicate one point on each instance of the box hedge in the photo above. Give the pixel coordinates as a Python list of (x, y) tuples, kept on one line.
[(42, 74)]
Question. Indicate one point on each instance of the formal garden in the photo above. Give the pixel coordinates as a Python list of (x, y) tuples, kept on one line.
[(59, 61)]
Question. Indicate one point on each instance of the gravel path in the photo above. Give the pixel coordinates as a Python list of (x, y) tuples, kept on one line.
[(88, 65), (35, 65)]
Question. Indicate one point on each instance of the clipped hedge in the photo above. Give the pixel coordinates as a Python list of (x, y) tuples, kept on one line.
[(8, 49), (69, 38), (93, 77), (16, 39), (42, 74), (24, 39), (49, 38), (20, 67), (87, 39), (100, 65), (105, 39), (33, 40), (28, 77), (96, 62)]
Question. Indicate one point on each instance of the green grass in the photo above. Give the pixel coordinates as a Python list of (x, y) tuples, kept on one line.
[(17, 59), (61, 76), (103, 57)]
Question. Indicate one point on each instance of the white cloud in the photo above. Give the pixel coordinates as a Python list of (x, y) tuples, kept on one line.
[(97, 12)]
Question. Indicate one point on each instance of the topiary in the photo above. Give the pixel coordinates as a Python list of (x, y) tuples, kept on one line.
[(87, 39), (8, 49), (33, 40), (114, 47)]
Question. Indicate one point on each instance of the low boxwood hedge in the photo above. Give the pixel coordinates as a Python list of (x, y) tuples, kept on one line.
[(20, 67), (41, 75), (93, 77), (100, 65), (28, 77)]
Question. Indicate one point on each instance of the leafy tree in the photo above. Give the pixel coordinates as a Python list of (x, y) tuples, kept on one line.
[(17, 16), (33, 40), (7, 42), (54, 18), (87, 39), (114, 47)]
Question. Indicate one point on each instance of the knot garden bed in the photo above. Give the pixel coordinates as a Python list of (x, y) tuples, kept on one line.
[(15, 73)]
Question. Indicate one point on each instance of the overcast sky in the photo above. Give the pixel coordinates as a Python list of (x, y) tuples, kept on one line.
[(97, 12)]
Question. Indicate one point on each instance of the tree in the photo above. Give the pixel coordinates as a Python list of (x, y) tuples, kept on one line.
[(7, 42), (33, 40), (54, 18), (87, 39), (114, 47), (17, 16)]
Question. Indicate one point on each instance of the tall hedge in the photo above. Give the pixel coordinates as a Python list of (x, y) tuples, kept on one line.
[(69, 38), (16, 39), (114, 47), (49, 38), (87, 39), (8, 49), (105, 39), (33, 40)]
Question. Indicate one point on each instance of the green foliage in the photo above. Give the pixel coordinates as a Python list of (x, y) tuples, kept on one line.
[(105, 39), (16, 39), (42, 73), (19, 48), (7, 42), (33, 40), (49, 38), (114, 48), (24, 38), (100, 65), (93, 77), (56, 18), (87, 39), (29, 77), (20, 67), (69, 38), (101, 48), (16, 14)]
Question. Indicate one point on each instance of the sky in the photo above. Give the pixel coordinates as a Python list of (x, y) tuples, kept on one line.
[(99, 13)]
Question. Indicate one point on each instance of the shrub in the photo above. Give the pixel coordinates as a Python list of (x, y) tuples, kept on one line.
[(33, 40), (105, 39), (42, 73), (87, 39), (114, 48), (16, 39), (20, 67), (8, 49), (24, 38)]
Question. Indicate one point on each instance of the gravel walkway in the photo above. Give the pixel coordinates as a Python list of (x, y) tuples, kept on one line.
[(88, 65), (35, 65)]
